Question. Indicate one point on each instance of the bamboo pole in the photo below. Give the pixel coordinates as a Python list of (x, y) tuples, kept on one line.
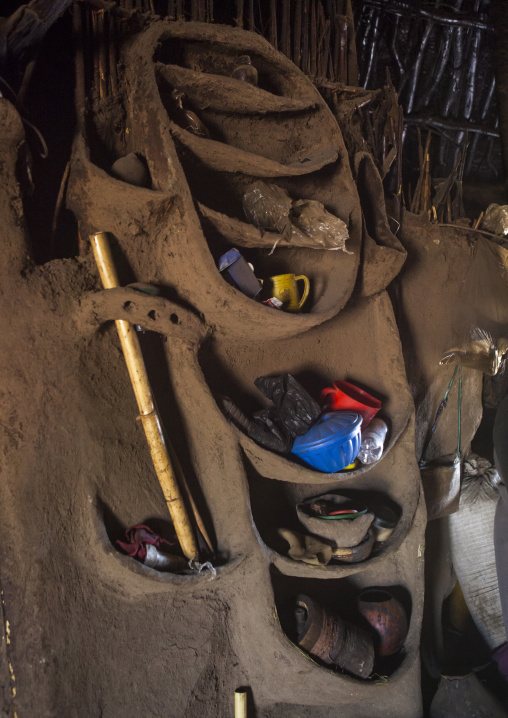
[(240, 703), (147, 411)]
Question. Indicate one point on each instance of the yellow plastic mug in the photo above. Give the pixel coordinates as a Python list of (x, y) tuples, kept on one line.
[(285, 288)]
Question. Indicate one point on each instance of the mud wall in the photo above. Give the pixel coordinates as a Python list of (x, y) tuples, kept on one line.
[(90, 630)]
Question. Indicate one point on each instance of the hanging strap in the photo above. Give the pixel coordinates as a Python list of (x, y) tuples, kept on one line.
[(440, 410)]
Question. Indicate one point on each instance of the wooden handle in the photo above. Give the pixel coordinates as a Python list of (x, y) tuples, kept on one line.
[(306, 288), (148, 413)]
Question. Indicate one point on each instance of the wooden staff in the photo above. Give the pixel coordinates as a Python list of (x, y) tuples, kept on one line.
[(146, 405)]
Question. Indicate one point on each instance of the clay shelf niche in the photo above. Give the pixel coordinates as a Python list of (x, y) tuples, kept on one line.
[(345, 590), (226, 308), (118, 569), (266, 494), (290, 468)]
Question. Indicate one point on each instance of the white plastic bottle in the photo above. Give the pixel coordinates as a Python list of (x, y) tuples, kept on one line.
[(373, 439)]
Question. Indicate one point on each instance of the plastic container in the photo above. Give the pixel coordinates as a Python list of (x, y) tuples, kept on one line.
[(373, 440), (344, 396), (240, 273), (332, 443), (245, 71)]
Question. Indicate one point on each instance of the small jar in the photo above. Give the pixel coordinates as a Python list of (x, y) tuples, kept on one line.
[(245, 71)]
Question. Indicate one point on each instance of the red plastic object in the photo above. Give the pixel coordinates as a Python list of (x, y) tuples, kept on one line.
[(348, 397)]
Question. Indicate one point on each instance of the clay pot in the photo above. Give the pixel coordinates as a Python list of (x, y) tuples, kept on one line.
[(332, 640), (387, 618)]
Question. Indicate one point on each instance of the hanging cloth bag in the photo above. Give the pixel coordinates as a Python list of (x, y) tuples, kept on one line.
[(441, 476)]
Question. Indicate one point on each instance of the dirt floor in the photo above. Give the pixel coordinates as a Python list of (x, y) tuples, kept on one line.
[(90, 631)]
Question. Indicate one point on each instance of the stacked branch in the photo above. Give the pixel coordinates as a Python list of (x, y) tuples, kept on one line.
[(435, 57)]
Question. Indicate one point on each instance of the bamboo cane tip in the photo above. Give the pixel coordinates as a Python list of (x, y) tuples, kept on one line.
[(241, 703), (98, 236)]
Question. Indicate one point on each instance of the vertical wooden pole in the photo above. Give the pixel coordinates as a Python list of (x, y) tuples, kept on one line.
[(305, 37), (285, 44), (113, 70), (272, 31), (297, 34), (313, 39)]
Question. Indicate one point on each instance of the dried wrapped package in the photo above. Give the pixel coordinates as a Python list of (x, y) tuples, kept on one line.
[(496, 219), (268, 207), (303, 223), (313, 226)]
